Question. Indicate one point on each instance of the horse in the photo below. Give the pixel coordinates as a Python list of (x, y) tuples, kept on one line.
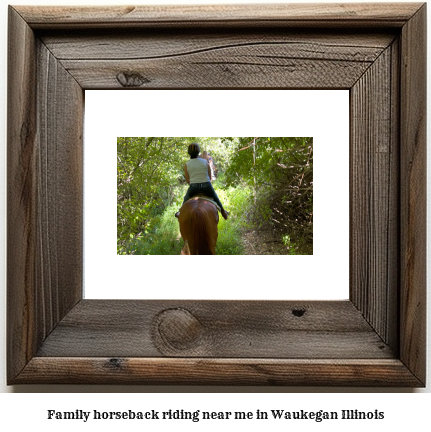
[(198, 221)]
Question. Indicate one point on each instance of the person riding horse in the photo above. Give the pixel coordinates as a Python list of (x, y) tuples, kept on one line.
[(198, 175)]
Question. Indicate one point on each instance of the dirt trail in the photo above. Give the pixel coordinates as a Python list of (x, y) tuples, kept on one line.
[(262, 243)]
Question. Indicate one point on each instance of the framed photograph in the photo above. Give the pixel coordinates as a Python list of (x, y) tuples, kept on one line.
[(375, 338)]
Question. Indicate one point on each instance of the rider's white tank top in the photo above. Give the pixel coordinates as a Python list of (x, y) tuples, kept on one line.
[(198, 170)]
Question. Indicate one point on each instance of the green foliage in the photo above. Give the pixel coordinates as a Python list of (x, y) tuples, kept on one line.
[(237, 201), (149, 180), (229, 239), (265, 183), (280, 172), (291, 246), (162, 239)]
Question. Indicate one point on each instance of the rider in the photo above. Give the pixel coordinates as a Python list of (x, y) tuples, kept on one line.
[(198, 175)]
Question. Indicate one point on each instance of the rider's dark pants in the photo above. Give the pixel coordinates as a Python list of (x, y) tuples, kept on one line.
[(204, 189)]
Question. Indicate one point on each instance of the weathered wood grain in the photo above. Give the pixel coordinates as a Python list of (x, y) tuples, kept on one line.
[(392, 303), (374, 195), (228, 72), (21, 194), (235, 329), (44, 193), (262, 66), (140, 44), (217, 371), (59, 242), (413, 194), (257, 59), (300, 15)]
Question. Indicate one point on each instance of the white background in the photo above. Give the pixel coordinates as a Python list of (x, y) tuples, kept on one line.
[(323, 115), (403, 410)]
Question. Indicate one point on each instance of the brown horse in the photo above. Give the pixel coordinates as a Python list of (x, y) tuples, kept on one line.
[(198, 226)]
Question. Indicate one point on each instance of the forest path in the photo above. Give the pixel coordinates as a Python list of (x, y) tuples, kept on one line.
[(259, 242)]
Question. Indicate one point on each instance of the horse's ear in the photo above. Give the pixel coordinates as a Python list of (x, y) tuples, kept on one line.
[(185, 250)]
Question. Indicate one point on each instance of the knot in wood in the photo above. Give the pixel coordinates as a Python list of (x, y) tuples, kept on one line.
[(131, 79), (115, 363), (298, 312), (178, 329)]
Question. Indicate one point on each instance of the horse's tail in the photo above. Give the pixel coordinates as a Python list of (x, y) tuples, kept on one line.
[(200, 232)]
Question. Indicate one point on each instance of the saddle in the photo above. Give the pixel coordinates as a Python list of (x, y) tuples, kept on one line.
[(200, 196)]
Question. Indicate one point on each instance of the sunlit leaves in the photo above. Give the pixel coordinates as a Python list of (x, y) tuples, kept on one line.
[(280, 171), (264, 182), (150, 178)]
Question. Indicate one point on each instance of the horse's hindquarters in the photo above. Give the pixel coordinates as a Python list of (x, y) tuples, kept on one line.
[(198, 226)]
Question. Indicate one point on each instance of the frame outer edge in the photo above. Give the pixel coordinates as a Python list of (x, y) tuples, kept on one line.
[(413, 195), (21, 316), (21, 194), (293, 14), (198, 371)]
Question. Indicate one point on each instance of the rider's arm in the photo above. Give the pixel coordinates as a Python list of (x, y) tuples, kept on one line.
[(186, 174), (209, 172)]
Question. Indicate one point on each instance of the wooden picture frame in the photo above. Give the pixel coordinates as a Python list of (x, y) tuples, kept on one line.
[(376, 338)]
